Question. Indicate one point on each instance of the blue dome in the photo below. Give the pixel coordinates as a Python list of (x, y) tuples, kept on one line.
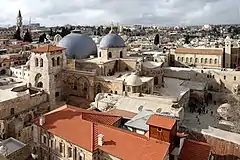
[(112, 41), (78, 46)]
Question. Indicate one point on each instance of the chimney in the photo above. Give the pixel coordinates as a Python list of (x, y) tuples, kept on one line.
[(42, 120), (100, 139)]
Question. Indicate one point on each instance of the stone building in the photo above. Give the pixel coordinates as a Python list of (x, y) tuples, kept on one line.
[(227, 57), (101, 139)]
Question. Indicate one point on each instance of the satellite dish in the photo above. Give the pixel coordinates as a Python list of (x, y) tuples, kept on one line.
[(159, 110), (140, 108)]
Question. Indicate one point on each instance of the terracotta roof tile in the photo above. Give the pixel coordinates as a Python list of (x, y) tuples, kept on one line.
[(122, 113), (71, 124), (195, 150), (199, 51), (131, 146), (47, 49), (161, 121)]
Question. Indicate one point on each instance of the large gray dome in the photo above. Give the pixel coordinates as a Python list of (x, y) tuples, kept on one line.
[(78, 46), (112, 40)]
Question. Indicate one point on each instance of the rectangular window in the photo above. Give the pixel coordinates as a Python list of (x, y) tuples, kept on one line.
[(61, 147), (224, 77), (69, 152), (235, 78), (44, 139)]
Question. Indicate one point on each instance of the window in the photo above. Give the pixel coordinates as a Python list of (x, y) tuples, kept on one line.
[(69, 152), (187, 60), (191, 60), (224, 77), (235, 78), (109, 54), (41, 62), (44, 139), (51, 144), (115, 92), (178, 58), (213, 76), (205, 60), (215, 61), (207, 76), (53, 62), (75, 87), (36, 62), (210, 61), (61, 147), (182, 59), (121, 54), (81, 156), (159, 129), (12, 111), (201, 60), (56, 94), (58, 61), (196, 60), (100, 54)]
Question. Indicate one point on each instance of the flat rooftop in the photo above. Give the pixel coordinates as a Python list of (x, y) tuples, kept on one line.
[(133, 103), (12, 145)]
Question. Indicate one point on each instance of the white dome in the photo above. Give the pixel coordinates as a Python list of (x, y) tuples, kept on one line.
[(224, 111), (133, 80)]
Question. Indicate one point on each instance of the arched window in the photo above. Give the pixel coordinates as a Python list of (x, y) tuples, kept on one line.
[(187, 60), (121, 54), (182, 59), (12, 111), (58, 61), (205, 60), (41, 62), (36, 62), (196, 60), (53, 62), (191, 60), (99, 89), (201, 60), (40, 85), (215, 61), (100, 54), (178, 59), (210, 61), (116, 92), (109, 54)]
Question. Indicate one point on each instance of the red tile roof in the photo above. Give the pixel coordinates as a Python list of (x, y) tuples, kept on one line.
[(210, 51), (47, 49), (79, 127), (131, 146), (122, 113), (194, 150), (161, 121)]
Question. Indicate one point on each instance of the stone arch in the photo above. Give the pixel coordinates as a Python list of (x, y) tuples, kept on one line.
[(53, 62), (58, 61), (3, 71), (83, 86), (38, 83), (41, 62), (209, 97), (36, 62), (98, 88)]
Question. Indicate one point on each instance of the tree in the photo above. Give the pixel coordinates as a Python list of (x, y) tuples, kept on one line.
[(156, 39), (27, 37), (42, 37), (187, 39), (51, 33), (17, 34)]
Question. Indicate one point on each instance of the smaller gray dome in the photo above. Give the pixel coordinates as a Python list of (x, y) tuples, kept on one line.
[(112, 40)]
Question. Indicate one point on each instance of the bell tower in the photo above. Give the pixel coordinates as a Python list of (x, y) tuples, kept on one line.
[(46, 65), (20, 23)]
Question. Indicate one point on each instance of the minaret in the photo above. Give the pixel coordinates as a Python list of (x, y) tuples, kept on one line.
[(19, 23), (111, 31)]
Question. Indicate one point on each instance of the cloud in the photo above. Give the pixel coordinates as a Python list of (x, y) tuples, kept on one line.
[(162, 12)]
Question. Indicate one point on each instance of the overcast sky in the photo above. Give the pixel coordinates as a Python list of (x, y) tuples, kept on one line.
[(155, 12)]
